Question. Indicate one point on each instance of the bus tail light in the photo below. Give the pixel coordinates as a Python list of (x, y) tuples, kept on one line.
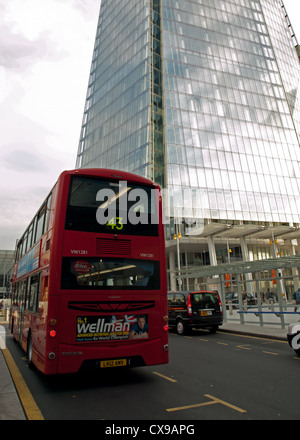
[(165, 320), (52, 333), (189, 305)]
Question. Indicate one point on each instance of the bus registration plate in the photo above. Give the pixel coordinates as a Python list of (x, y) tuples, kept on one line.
[(113, 363)]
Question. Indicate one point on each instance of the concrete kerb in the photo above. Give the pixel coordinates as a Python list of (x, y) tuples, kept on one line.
[(10, 405)]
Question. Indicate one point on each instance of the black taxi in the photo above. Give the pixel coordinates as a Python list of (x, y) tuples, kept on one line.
[(194, 309)]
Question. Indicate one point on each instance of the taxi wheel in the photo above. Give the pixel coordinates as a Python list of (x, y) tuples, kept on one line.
[(213, 328), (180, 328)]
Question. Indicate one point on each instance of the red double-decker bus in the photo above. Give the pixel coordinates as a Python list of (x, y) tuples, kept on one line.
[(89, 286)]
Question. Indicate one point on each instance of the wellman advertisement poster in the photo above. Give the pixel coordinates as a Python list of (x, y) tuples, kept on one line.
[(111, 328)]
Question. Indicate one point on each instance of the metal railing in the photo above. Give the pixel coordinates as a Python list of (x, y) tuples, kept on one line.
[(281, 313)]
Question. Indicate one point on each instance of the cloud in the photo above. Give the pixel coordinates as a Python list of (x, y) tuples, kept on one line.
[(18, 52), (84, 6), (46, 49), (17, 211), (22, 160)]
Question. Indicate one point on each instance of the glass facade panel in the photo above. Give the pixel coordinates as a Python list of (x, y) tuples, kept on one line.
[(199, 94), (116, 122), (225, 62)]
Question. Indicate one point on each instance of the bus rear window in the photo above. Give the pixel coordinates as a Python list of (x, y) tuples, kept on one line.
[(96, 205), (109, 274)]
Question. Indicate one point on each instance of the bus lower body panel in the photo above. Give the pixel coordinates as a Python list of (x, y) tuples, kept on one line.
[(75, 358)]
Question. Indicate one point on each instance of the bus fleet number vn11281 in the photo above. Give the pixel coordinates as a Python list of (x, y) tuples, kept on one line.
[(79, 252)]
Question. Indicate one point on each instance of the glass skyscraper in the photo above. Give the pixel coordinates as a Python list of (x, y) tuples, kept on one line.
[(202, 95)]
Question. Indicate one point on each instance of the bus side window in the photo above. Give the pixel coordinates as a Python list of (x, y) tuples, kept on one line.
[(34, 230), (15, 290), (27, 294), (18, 294), (40, 223), (21, 248), (25, 243), (33, 291), (18, 252), (47, 213), (38, 295), (22, 295), (30, 230)]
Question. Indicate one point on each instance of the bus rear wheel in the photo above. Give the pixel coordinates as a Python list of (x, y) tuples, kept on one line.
[(29, 351)]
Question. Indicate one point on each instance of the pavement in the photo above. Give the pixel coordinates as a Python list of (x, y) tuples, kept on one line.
[(11, 407), (266, 331), (10, 404)]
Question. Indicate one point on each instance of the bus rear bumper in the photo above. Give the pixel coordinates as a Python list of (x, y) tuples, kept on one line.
[(75, 358)]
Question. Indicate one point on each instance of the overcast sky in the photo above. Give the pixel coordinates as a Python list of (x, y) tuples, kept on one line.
[(46, 48)]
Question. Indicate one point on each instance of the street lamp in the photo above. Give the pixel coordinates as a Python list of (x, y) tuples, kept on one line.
[(177, 238)]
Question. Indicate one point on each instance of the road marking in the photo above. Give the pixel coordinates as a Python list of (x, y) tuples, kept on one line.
[(213, 401), (205, 340), (30, 407), (271, 352), (197, 405), (255, 337), (244, 347), (222, 343), (164, 377), (236, 408)]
